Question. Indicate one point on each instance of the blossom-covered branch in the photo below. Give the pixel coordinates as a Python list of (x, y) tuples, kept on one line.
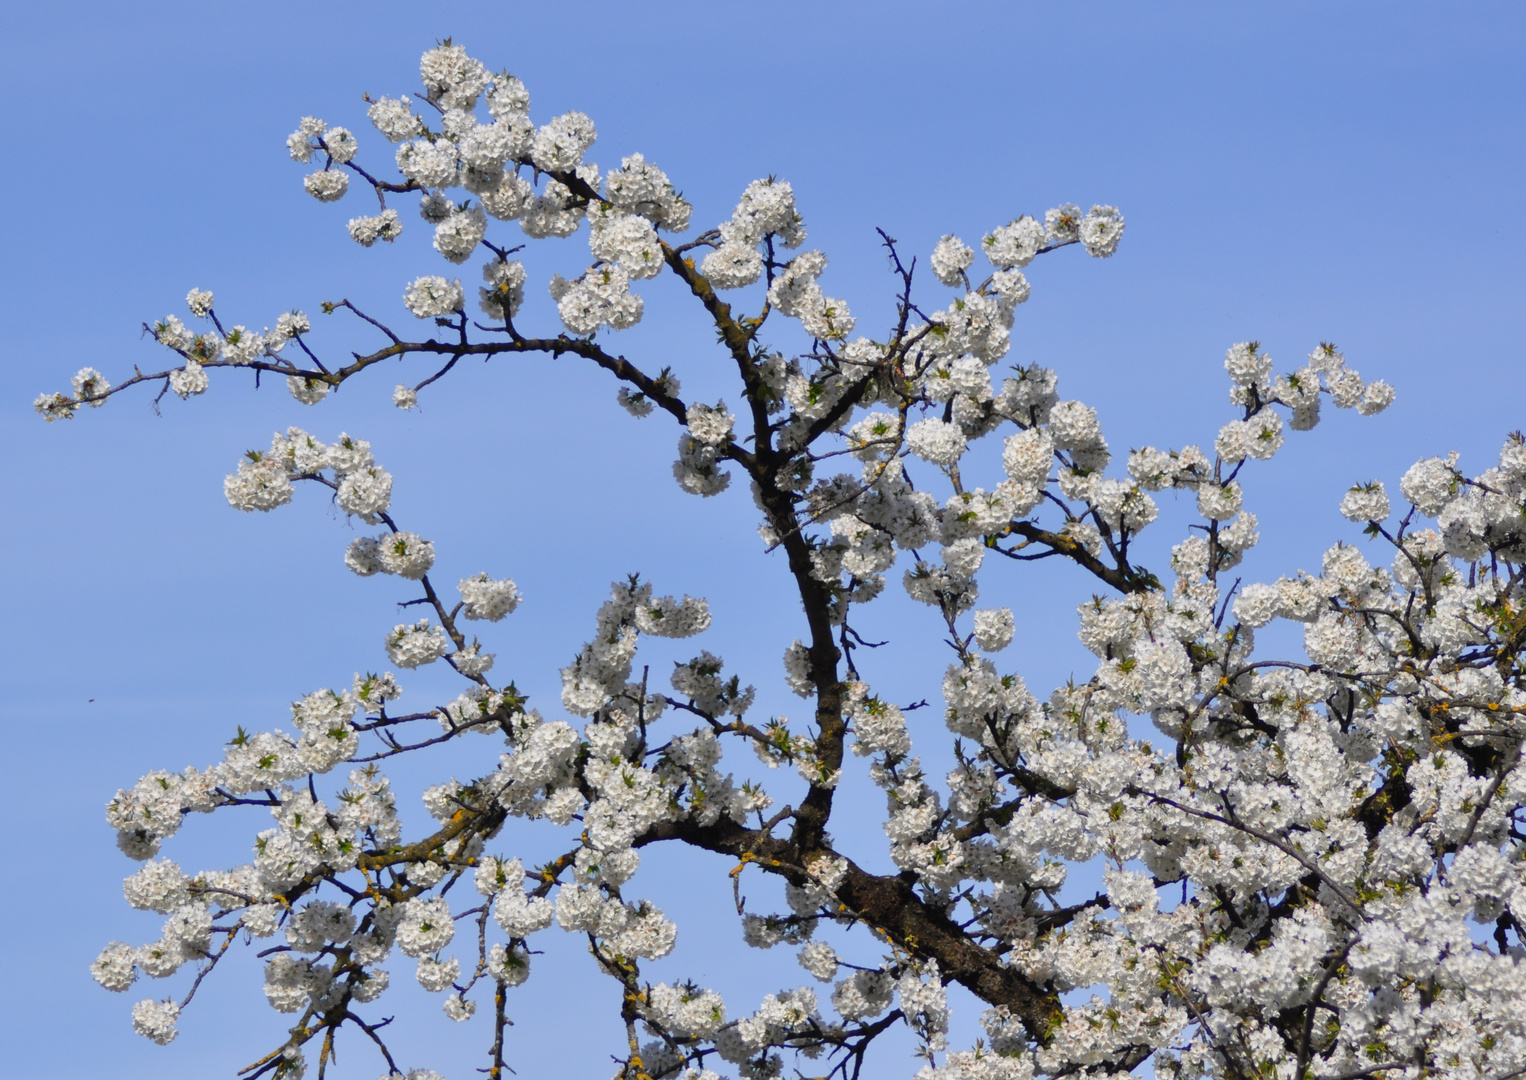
[(1315, 870)]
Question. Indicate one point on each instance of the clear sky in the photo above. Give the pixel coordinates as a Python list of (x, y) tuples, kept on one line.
[(1292, 173)]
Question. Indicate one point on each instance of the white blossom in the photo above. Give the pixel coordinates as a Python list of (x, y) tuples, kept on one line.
[(486, 598), (994, 628), (431, 296), (951, 258), (936, 441), (412, 645), (327, 185), (366, 230), (1366, 502), (156, 1020), (1100, 230)]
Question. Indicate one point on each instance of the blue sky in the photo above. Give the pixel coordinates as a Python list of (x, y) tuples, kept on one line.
[(1290, 173)]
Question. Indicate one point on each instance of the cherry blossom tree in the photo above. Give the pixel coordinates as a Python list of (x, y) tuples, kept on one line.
[(1313, 870)]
